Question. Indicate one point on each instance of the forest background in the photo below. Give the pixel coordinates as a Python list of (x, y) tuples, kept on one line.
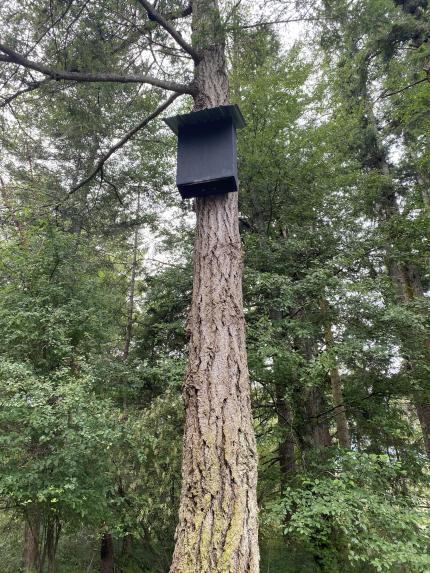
[(96, 279)]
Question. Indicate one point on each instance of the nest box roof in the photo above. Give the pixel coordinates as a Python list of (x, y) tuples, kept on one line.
[(206, 116)]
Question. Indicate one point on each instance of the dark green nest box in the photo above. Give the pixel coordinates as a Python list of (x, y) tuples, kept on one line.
[(207, 156)]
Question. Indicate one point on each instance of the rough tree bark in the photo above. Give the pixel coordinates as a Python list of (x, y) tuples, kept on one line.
[(52, 537), (217, 530), (317, 434), (31, 552)]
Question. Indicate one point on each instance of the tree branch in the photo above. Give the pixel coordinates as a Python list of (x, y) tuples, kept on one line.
[(13, 57), (100, 163), (31, 87), (184, 13), (274, 22), (384, 95), (157, 17)]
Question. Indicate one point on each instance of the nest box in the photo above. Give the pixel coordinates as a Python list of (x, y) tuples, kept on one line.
[(207, 157)]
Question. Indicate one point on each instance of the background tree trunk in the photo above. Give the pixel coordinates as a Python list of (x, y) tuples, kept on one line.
[(405, 277), (130, 310), (107, 554), (52, 536), (423, 412), (286, 448), (30, 556), (336, 388), (217, 530), (318, 432)]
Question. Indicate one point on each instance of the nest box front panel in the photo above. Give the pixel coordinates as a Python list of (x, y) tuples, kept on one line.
[(207, 159)]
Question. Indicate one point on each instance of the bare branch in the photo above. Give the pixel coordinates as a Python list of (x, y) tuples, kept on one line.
[(30, 87), (100, 163), (275, 22), (157, 17), (13, 57), (384, 95)]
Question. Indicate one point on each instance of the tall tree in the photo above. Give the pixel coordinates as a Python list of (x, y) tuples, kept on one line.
[(217, 528)]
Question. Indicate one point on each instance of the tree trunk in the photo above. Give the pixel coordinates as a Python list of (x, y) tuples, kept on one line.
[(342, 430), (423, 412), (424, 183), (31, 552), (318, 433), (312, 425), (217, 530), (405, 276), (414, 288), (130, 311), (336, 389), (407, 285), (107, 554), (127, 545), (8, 203), (52, 536), (286, 448)]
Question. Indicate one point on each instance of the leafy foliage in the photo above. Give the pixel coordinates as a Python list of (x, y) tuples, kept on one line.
[(334, 214)]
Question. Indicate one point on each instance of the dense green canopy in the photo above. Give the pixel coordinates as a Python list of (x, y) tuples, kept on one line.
[(96, 282)]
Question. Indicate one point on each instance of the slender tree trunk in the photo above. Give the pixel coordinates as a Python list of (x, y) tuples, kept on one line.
[(318, 433), (217, 530), (342, 430), (127, 546), (130, 311), (52, 536), (423, 412), (107, 560), (405, 277), (12, 212), (407, 285), (413, 288), (313, 428), (31, 552), (424, 182), (336, 389), (107, 550), (286, 448)]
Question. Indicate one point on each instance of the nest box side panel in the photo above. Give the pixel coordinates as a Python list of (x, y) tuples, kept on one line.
[(207, 159)]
